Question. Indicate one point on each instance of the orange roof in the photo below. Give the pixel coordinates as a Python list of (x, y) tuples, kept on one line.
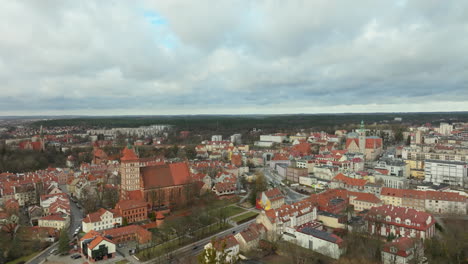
[(366, 197), (89, 235), (349, 181), (96, 241)]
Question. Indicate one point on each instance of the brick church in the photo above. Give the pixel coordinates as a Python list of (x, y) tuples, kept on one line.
[(160, 184)]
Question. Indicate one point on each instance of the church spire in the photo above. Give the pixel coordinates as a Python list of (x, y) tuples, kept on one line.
[(362, 124)]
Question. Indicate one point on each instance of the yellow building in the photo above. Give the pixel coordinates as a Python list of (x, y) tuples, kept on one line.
[(392, 196)]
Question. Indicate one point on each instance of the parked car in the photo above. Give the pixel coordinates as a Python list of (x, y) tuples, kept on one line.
[(53, 251)]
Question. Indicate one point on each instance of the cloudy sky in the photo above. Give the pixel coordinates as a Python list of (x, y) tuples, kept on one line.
[(232, 57)]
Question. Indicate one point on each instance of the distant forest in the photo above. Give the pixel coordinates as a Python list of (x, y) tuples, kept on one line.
[(224, 123)]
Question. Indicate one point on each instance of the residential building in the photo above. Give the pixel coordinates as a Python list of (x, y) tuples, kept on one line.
[(348, 183), (276, 138), (400, 221), (403, 250), (445, 203), (55, 221), (100, 220), (391, 181), (271, 199), (453, 173), (317, 240), (216, 138), (288, 215), (293, 174), (249, 238), (363, 201), (132, 210), (395, 167)]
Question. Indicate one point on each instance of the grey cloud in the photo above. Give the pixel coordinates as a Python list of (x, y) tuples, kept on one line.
[(100, 56)]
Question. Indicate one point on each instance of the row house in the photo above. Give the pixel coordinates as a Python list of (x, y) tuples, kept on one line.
[(56, 221), (438, 202), (224, 188), (348, 183), (363, 201), (288, 215), (400, 221)]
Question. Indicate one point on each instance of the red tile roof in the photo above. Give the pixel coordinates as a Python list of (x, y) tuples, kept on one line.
[(96, 216), (130, 204), (165, 175), (419, 220), (349, 181), (403, 246), (53, 218), (366, 197), (274, 194)]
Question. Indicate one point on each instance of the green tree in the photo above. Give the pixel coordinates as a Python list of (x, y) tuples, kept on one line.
[(64, 241), (124, 221)]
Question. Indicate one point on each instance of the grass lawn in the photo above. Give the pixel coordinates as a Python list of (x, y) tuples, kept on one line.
[(23, 258), (241, 217), (233, 210), (172, 245), (123, 261)]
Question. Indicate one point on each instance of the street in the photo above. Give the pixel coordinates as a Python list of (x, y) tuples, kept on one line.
[(75, 221), (291, 195)]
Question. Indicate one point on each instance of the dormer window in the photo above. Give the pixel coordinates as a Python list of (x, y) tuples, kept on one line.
[(393, 250), (388, 218), (398, 220), (408, 222)]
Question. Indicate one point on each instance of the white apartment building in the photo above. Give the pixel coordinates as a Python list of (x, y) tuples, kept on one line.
[(101, 220), (216, 138), (445, 129), (453, 173), (278, 138)]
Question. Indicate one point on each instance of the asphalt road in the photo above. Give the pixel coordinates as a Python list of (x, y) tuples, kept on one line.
[(75, 221), (291, 195)]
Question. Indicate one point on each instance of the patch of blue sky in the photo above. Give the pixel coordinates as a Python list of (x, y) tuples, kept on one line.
[(161, 31)]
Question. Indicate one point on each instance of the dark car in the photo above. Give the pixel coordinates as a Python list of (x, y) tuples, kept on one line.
[(76, 256), (195, 248)]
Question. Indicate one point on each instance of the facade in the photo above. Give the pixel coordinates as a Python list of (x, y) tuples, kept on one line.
[(364, 201), (391, 181), (395, 167), (348, 183), (317, 240), (453, 173), (400, 221), (445, 203), (100, 220), (132, 210), (276, 138), (55, 221), (293, 174), (95, 247)]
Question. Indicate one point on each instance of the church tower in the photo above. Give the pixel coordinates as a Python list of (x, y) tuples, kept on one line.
[(129, 172), (362, 138)]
